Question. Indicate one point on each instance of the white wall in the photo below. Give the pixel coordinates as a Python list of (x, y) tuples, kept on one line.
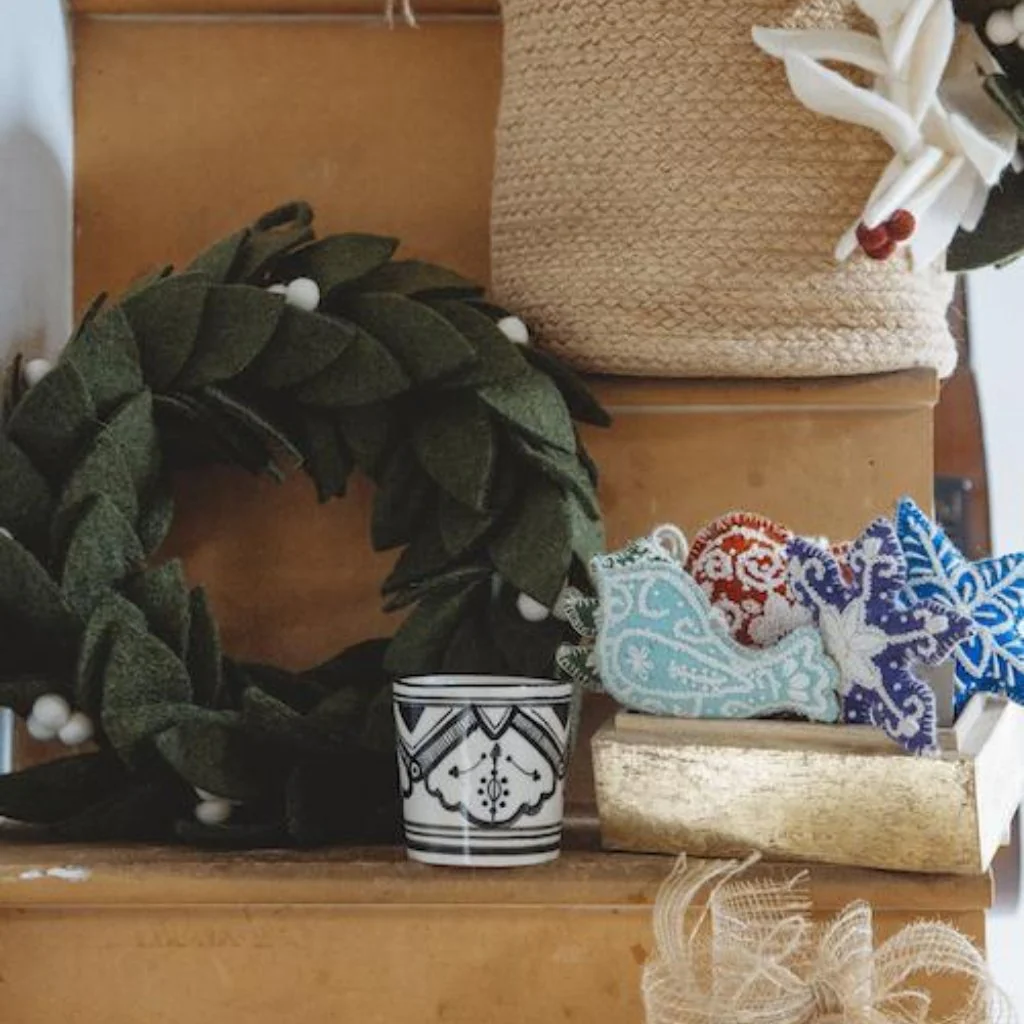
[(35, 177), (996, 323)]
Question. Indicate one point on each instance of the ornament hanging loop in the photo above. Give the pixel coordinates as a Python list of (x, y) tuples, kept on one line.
[(673, 540)]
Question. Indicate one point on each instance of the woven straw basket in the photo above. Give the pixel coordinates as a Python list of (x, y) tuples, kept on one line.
[(664, 206)]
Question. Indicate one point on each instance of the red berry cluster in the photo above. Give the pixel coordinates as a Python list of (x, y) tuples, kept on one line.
[(880, 243)]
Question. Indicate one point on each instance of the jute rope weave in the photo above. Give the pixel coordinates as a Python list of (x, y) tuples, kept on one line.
[(664, 206)]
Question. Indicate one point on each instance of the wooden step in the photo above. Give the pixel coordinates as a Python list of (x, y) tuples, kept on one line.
[(130, 934)]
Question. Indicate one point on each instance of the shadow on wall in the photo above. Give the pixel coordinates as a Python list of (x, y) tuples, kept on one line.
[(34, 199)]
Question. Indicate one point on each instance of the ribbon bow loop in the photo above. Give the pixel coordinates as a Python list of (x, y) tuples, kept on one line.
[(752, 955)]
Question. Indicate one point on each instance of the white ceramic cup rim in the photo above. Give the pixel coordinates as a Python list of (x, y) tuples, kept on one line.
[(466, 688)]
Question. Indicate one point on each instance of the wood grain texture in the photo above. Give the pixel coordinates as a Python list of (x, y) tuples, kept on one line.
[(364, 936), (276, 7), (185, 130), (819, 793)]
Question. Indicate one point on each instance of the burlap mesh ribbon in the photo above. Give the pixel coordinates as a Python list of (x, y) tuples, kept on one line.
[(752, 955), (664, 206)]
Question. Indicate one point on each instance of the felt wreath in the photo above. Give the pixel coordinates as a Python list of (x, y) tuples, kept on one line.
[(401, 371)]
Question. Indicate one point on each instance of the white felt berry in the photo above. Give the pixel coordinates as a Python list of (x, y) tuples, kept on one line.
[(278, 289), (5, 533), (213, 812), (1018, 19), (35, 370), (514, 329), (1000, 28), (303, 293), (78, 729), (531, 609), (38, 731), (52, 711)]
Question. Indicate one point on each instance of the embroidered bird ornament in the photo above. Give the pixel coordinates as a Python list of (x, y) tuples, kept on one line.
[(661, 647)]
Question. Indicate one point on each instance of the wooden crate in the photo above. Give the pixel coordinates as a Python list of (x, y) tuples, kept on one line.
[(136, 934), (801, 791)]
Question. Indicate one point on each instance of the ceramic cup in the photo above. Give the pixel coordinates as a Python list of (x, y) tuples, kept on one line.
[(481, 765)]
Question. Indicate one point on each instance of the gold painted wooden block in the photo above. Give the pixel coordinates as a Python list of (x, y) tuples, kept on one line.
[(801, 791), (142, 935)]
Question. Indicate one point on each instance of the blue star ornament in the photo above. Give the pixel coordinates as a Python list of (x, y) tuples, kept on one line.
[(876, 634), (989, 592)]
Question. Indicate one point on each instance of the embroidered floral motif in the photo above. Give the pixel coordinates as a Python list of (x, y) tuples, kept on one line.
[(989, 592), (739, 561), (875, 634), (663, 649)]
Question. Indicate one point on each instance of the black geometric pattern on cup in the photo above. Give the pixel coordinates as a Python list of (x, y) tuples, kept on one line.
[(491, 774)]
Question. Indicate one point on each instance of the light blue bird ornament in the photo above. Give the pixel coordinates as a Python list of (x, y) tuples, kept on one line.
[(662, 648)]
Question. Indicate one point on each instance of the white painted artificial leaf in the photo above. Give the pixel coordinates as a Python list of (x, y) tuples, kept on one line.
[(928, 53), (841, 45), (828, 93), (894, 192)]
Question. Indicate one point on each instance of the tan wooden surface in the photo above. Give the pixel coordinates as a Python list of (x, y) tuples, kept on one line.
[(142, 935), (373, 8)]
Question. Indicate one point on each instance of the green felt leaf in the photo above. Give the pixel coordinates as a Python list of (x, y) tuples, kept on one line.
[(94, 652), (360, 665), (14, 385), (426, 345), (54, 419), (20, 692), (498, 359), (534, 549), (232, 835), (146, 280), (162, 594), (155, 518), (136, 811), (368, 431), (403, 494), (999, 236), (270, 239), (424, 557), (302, 347), (338, 260), (471, 649), (133, 428), (146, 690), (102, 471), (165, 319), (31, 604), (456, 445), (105, 353), (102, 549), (462, 527), (327, 458), (217, 262), (583, 406), (414, 277), (51, 791), (420, 644), (272, 720), (238, 323), (528, 647), (588, 538), (533, 406), (204, 660), (222, 437), (25, 499), (250, 419), (561, 468), (363, 374), (444, 580), (218, 756)]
